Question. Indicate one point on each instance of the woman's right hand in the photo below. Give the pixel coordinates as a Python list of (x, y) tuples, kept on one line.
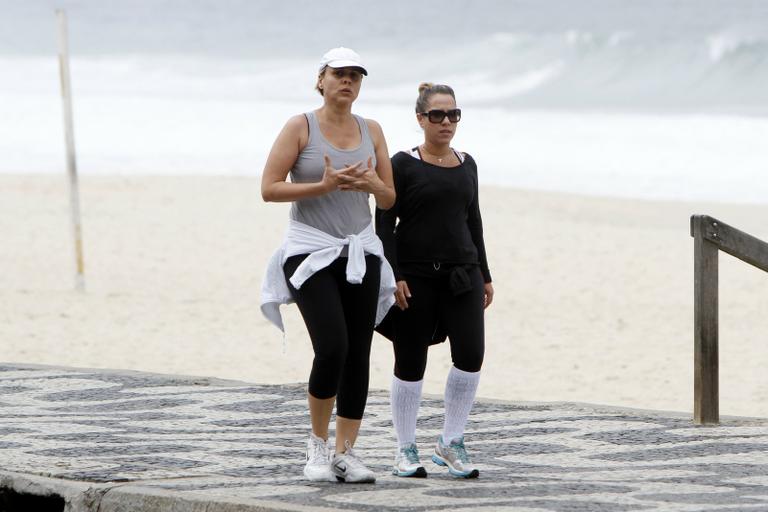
[(402, 294), (332, 178)]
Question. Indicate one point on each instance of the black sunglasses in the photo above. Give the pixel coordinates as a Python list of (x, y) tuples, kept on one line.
[(437, 116)]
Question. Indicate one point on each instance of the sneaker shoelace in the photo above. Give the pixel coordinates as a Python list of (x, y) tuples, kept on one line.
[(411, 454), (460, 451), (351, 457), (318, 454)]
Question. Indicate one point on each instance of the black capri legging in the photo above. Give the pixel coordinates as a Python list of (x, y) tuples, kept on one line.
[(461, 316), (340, 317)]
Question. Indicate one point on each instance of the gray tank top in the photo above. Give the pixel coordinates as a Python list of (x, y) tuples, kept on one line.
[(341, 212)]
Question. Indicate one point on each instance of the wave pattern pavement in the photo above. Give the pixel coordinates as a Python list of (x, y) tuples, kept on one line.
[(127, 437)]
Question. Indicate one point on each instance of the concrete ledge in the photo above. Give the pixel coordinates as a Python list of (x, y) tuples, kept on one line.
[(83, 497)]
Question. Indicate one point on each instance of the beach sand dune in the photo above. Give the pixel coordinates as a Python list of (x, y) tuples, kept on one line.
[(594, 296)]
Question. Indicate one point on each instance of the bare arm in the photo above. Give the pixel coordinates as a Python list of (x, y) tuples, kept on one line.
[(282, 156), (281, 159)]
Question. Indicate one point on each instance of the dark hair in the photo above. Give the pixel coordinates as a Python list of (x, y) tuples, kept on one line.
[(427, 90)]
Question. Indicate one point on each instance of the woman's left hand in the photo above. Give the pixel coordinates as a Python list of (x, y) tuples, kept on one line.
[(488, 294), (364, 180)]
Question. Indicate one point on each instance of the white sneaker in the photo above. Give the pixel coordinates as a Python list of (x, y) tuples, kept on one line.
[(349, 468), (318, 467), (407, 462)]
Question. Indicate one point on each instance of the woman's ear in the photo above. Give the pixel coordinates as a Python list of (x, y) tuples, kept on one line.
[(319, 84)]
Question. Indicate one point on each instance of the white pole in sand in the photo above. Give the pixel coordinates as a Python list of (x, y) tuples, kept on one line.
[(69, 136)]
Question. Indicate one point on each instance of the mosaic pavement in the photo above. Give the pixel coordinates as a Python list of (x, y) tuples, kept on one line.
[(213, 441)]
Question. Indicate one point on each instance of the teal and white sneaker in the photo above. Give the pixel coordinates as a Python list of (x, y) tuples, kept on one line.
[(454, 456), (407, 462)]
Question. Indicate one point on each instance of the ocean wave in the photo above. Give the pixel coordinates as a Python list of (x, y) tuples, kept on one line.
[(604, 54), (619, 68), (485, 88), (580, 39), (731, 44)]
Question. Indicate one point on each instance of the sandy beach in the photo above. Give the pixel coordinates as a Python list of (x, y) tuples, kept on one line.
[(594, 296)]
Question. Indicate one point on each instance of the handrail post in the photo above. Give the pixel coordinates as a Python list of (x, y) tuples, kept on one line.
[(706, 408)]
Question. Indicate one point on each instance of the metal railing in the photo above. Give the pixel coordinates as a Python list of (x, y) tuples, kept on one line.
[(710, 236)]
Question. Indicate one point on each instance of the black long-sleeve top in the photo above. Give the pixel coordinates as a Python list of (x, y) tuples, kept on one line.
[(439, 217)]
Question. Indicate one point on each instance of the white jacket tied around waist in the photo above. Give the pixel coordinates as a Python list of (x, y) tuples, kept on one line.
[(323, 249)]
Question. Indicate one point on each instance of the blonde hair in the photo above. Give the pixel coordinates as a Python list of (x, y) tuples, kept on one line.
[(317, 84), (427, 90)]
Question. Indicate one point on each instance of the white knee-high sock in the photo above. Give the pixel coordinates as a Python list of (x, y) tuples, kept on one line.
[(459, 396), (405, 398)]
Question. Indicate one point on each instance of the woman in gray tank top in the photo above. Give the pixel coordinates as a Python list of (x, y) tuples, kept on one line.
[(335, 160)]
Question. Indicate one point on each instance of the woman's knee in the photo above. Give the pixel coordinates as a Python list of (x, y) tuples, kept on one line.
[(327, 369), (410, 358), (331, 357), (469, 359), (411, 368), (409, 374)]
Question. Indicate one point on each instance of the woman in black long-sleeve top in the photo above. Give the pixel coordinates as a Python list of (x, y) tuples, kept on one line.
[(443, 283)]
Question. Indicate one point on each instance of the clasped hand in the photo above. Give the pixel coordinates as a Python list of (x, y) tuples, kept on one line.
[(352, 177)]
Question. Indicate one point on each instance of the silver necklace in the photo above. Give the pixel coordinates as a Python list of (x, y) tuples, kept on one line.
[(439, 158)]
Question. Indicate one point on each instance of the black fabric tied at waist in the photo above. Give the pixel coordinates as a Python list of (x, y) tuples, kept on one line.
[(458, 280), (459, 283)]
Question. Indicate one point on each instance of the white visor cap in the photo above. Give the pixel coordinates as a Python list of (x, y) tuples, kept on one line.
[(342, 58)]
